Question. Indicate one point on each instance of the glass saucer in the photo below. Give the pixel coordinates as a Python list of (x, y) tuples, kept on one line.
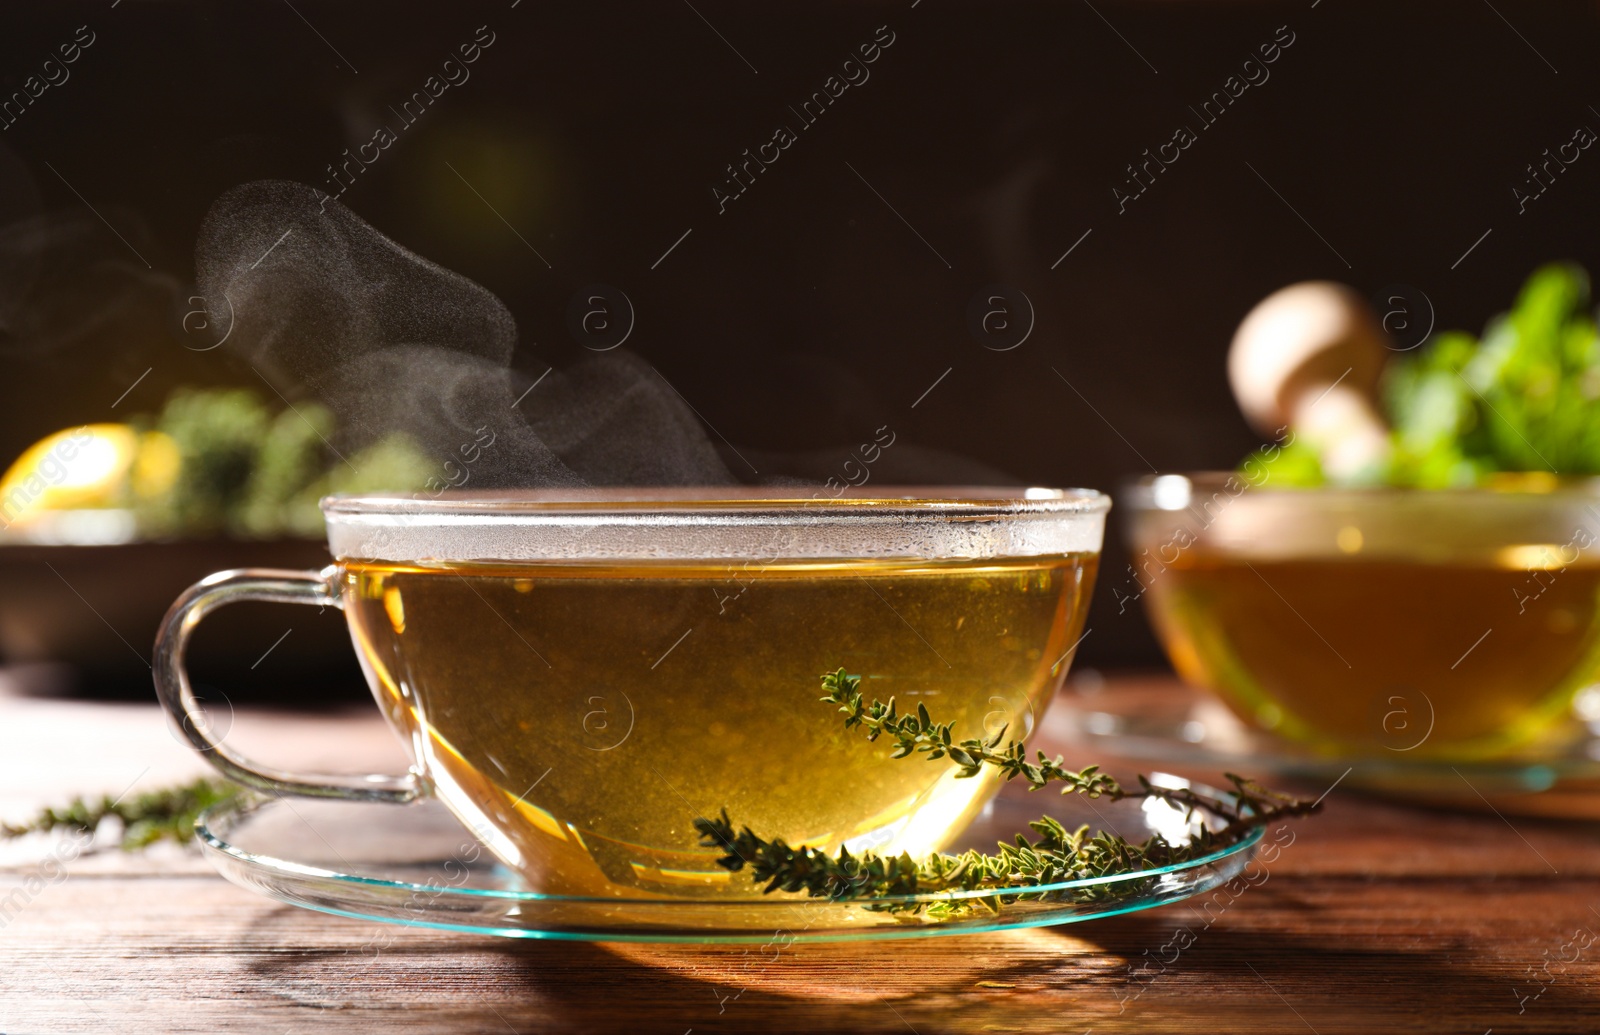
[(1162, 720), (416, 865)]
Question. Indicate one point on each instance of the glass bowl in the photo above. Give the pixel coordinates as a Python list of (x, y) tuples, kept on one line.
[(1446, 624)]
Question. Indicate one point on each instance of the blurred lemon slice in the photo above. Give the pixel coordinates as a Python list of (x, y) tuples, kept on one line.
[(155, 469), (89, 466)]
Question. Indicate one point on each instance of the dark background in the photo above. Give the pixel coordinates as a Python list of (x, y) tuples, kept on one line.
[(809, 313)]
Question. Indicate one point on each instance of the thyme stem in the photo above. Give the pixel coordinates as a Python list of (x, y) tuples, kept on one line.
[(1057, 855), (167, 814)]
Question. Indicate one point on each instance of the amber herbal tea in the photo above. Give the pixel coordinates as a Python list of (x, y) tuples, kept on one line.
[(1461, 657), (592, 711)]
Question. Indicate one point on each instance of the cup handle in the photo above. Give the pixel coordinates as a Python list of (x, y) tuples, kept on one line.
[(318, 588)]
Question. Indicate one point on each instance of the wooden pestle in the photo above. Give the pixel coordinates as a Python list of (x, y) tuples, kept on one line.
[(1307, 358)]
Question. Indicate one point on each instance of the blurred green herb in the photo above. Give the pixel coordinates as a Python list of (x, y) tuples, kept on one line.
[(1522, 398), (1057, 855), (248, 471), (162, 815)]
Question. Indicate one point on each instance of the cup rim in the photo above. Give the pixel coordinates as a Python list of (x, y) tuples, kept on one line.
[(700, 524), (708, 503), (1519, 523), (1145, 491)]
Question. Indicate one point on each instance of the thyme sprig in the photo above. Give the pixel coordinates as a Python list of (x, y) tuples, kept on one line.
[(167, 814), (918, 734), (1056, 856)]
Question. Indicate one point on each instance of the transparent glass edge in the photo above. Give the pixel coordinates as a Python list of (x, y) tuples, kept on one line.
[(1006, 501), (882, 933), (241, 809), (1136, 492)]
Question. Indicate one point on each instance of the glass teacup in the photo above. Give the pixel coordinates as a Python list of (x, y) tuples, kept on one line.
[(1451, 624), (579, 676)]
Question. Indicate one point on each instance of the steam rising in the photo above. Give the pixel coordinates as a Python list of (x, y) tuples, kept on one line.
[(63, 277), (319, 302)]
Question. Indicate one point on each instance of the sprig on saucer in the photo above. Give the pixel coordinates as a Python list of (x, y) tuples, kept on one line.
[(167, 814), (1057, 855), (918, 734)]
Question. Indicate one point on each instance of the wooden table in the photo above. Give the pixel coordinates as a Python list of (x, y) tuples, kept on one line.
[(1378, 917)]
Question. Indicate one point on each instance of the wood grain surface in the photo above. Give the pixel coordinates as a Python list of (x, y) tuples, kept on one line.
[(1378, 917)]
